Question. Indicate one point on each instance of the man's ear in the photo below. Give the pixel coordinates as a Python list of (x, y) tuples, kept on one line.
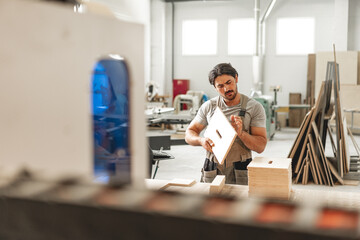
[(236, 79)]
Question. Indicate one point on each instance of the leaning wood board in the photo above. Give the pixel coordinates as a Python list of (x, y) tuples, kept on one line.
[(221, 132)]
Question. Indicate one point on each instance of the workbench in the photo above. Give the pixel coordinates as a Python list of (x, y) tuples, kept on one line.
[(35, 209), (326, 196)]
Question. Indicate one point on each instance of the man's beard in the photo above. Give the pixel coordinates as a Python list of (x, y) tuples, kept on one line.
[(231, 97)]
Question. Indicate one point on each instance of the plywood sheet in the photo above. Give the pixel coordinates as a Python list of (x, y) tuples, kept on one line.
[(348, 67), (350, 99), (221, 133)]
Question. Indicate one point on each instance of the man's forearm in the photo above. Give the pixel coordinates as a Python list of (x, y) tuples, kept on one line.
[(192, 138), (254, 143)]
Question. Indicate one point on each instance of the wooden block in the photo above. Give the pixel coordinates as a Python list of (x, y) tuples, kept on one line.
[(221, 132), (217, 184), (270, 177)]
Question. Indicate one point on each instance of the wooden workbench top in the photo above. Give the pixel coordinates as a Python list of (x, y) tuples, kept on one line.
[(326, 196)]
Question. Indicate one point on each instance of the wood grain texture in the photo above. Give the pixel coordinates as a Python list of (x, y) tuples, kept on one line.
[(221, 133)]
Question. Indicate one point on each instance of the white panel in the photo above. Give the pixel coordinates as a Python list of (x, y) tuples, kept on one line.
[(47, 57)]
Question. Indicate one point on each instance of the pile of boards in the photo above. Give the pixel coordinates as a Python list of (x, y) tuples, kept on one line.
[(308, 155), (270, 177)]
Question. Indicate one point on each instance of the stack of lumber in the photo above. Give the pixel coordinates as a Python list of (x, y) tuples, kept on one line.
[(270, 177), (307, 153)]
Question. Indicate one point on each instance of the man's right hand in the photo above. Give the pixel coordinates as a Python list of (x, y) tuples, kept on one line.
[(207, 144)]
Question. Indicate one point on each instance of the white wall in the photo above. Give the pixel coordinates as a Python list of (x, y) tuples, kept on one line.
[(291, 71), (196, 68), (288, 71), (354, 25)]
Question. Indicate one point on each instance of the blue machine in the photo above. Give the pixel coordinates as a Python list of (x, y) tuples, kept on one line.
[(110, 110)]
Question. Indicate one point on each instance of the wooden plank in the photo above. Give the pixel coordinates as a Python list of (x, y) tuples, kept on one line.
[(335, 173), (306, 173), (322, 154), (299, 136), (217, 184), (182, 182), (351, 182), (316, 165), (325, 161), (311, 120), (356, 146), (346, 144), (338, 115), (310, 97), (300, 172), (332, 140), (311, 169), (341, 171), (312, 165), (320, 167), (179, 182), (302, 138), (221, 132)]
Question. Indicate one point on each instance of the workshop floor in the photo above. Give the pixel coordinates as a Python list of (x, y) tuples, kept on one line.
[(189, 159)]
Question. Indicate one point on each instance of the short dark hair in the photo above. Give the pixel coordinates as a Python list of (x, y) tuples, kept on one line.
[(221, 69)]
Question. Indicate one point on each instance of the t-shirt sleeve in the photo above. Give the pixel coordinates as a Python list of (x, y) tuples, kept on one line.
[(259, 116), (201, 115)]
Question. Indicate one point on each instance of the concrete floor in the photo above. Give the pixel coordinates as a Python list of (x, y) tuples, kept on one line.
[(189, 159)]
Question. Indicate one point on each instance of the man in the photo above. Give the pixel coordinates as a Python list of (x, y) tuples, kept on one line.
[(246, 115)]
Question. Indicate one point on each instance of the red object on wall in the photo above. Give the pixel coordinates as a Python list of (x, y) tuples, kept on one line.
[(180, 86)]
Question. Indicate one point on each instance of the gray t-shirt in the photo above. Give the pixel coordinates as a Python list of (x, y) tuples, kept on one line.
[(254, 117)]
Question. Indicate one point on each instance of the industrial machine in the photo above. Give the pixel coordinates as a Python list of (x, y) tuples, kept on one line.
[(267, 103)]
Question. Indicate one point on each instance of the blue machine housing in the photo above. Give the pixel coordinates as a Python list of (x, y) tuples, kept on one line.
[(110, 110)]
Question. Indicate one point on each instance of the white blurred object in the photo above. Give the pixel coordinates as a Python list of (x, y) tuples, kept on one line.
[(151, 90)]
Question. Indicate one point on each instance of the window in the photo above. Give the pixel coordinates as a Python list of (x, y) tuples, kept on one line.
[(199, 37), (295, 36), (241, 36)]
